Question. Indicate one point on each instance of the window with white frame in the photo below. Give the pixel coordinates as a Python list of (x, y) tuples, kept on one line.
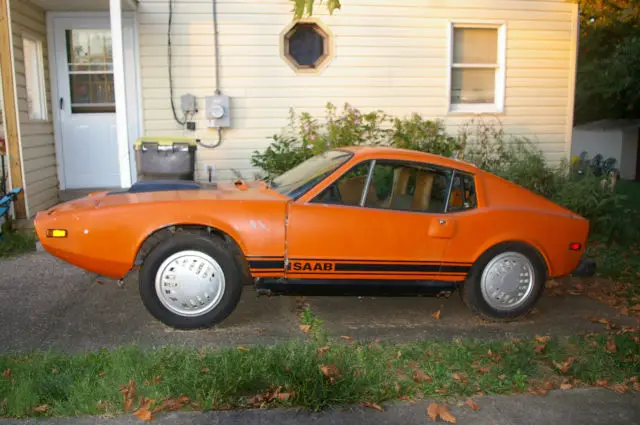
[(477, 74), (34, 75)]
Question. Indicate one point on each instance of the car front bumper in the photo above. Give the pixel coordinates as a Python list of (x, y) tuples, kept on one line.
[(586, 268)]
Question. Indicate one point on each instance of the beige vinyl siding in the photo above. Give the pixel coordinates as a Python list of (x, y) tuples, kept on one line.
[(388, 55), (38, 147)]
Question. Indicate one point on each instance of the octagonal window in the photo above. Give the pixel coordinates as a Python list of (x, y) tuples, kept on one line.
[(306, 46)]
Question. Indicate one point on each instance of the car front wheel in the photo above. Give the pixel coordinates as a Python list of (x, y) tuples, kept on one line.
[(190, 281), (505, 282)]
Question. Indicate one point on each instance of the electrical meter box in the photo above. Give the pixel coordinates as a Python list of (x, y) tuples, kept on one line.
[(217, 111)]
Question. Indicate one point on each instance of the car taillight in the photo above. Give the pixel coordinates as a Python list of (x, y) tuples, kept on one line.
[(575, 246)]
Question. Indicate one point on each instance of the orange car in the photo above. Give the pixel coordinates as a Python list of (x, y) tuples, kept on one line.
[(351, 220)]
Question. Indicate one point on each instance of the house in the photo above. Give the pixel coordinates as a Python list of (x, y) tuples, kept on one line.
[(617, 139), (83, 79)]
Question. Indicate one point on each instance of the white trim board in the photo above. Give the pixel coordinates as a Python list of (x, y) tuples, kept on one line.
[(500, 83), (134, 116)]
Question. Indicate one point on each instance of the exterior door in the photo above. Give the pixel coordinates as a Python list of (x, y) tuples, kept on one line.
[(398, 230), (86, 100)]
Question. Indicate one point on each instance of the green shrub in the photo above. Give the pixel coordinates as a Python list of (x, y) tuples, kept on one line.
[(419, 134), (481, 142)]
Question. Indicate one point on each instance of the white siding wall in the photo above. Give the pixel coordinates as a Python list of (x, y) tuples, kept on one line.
[(38, 148), (389, 55)]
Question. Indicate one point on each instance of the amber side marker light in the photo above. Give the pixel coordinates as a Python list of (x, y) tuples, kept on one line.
[(575, 246), (56, 233)]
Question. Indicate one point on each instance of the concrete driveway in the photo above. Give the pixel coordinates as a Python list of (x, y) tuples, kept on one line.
[(49, 304)]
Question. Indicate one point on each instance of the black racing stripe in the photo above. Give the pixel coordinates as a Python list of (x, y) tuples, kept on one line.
[(342, 260), (445, 268), (424, 268), (266, 264)]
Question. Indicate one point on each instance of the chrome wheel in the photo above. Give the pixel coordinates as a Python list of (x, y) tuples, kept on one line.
[(507, 281), (190, 283)]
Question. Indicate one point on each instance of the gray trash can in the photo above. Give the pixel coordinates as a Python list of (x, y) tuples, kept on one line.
[(165, 158)]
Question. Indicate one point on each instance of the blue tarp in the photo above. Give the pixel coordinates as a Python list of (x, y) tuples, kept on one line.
[(5, 204)]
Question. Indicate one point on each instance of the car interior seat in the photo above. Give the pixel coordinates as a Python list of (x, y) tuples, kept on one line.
[(351, 191), (424, 187)]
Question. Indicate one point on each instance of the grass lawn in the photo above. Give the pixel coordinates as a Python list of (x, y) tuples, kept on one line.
[(16, 243), (314, 374)]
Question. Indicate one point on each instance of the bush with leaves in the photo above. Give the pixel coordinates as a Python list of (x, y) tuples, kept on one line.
[(423, 135), (481, 142)]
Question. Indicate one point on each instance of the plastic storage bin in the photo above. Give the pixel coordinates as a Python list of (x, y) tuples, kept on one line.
[(165, 158)]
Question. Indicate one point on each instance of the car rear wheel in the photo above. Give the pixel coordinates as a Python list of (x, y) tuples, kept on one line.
[(190, 281), (505, 282)]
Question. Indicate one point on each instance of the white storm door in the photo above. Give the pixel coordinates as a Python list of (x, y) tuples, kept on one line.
[(86, 100)]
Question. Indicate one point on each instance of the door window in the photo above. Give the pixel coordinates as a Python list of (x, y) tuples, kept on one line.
[(393, 185), (90, 61)]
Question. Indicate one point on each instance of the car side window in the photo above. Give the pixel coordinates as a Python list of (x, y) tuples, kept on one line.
[(347, 190), (463, 193), (408, 187)]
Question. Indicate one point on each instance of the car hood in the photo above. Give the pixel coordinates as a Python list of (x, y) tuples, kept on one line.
[(168, 192)]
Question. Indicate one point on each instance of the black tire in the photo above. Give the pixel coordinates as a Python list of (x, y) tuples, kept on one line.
[(208, 244), (471, 291)]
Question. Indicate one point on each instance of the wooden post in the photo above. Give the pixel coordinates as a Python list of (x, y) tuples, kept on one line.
[(10, 107)]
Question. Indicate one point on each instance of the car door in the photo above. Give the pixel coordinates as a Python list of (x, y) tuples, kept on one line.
[(382, 219)]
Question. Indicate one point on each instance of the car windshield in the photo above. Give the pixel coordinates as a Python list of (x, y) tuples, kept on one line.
[(297, 181)]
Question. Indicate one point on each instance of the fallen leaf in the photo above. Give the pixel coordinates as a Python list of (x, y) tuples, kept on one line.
[(459, 377), (305, 328), (602, 383), (407, 399), (324, 349), (543, 339), (54, 370), (635, 307), (495, 356), (101, 406), (7, 374), (620, 388), (540, 348), (548, 385), (129, 393), (204, 370), (484, 370), (446, 415), (243, 349), (346, 338), (441, 390), (564, 367), (101, 374), (502, 377), (420, 376), (472, 404), (398, 355), (284, 396), (611, 346), (41, 409), (436, 315), (143, 413), (433, 411), (566, 386), (372, 405), (330, 371), (636, 386)]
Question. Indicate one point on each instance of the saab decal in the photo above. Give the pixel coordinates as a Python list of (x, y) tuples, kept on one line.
[(311, 266)]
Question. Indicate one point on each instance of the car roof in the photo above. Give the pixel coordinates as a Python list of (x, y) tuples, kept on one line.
[(375, 152)]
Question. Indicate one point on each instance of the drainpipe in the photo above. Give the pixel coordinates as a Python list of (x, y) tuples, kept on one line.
[(122, 125)]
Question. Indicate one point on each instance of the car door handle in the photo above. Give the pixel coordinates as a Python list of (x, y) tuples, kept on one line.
[(443, 222), (62, 103)]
